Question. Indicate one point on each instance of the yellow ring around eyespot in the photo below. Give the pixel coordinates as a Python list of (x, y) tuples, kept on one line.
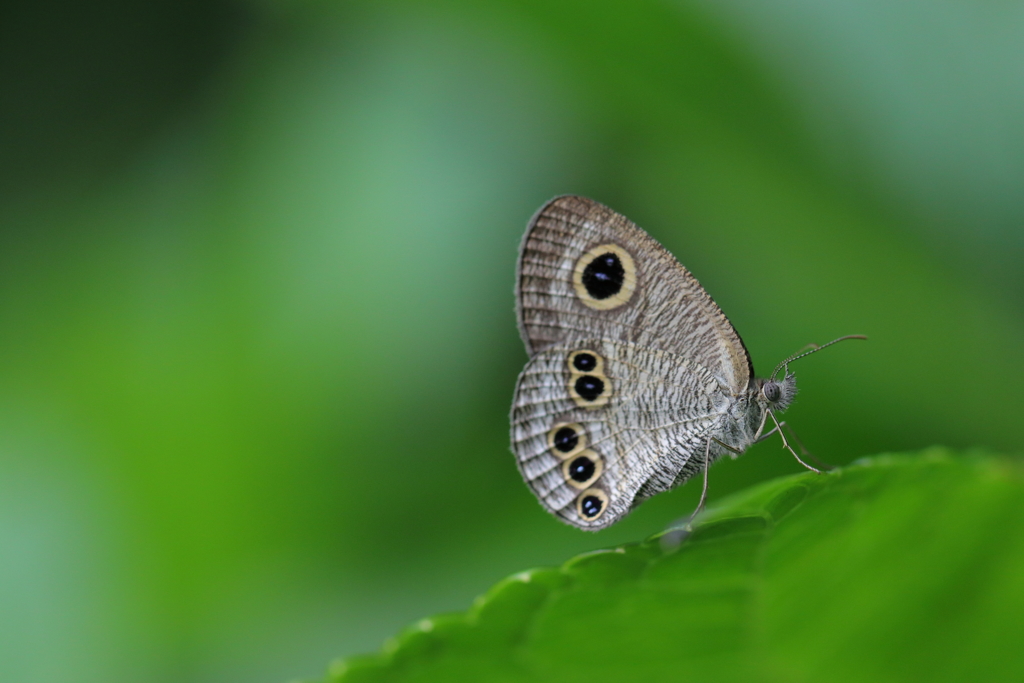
[(598, 468), (628, 278), (598, 366), (581, 435), (600, 400), (600, 495)]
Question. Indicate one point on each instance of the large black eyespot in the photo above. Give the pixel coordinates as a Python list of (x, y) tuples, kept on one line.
[(589, 387), (603, 277), (582, 469), (771, 391), (584, 362), (591, 506), (566, 439)]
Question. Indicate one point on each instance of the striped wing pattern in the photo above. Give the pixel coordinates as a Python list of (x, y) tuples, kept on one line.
[(670, 310), (653, 428), (672, 362)]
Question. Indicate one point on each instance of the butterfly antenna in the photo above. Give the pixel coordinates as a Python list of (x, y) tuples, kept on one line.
[(814, 348)]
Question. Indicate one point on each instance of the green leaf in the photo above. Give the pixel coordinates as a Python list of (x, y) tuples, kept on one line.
[(896, 568)]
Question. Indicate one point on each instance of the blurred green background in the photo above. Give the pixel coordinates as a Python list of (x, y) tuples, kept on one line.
[(257, 345)]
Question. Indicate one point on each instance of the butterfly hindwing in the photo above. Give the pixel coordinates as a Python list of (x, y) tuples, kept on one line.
[(632, 418)]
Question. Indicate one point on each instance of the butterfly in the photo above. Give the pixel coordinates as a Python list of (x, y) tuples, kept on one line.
[(636, 380)]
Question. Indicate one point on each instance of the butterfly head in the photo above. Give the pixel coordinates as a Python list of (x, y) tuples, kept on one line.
[(777, 394)]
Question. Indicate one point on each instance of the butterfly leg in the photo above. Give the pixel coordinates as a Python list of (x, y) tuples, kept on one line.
[(704, 491), (733, 452), (671, 539), (764, 436), (803, 449), (785, 443)]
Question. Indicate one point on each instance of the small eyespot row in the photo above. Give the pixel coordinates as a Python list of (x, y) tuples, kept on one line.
[(588, 386), (605, 277), (592, 503), (581, 466)]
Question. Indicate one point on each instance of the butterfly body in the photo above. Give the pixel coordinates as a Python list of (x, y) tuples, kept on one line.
[(636, 380)]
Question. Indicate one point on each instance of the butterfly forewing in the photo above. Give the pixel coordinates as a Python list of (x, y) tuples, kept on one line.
[(632, 364), (659, 305)]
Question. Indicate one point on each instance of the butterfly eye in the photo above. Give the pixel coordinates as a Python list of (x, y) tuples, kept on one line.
[(771, 391), (605, 277), (592, 503)]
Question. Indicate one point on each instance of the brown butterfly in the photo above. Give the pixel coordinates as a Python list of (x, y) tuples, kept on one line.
[(636, 379)]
